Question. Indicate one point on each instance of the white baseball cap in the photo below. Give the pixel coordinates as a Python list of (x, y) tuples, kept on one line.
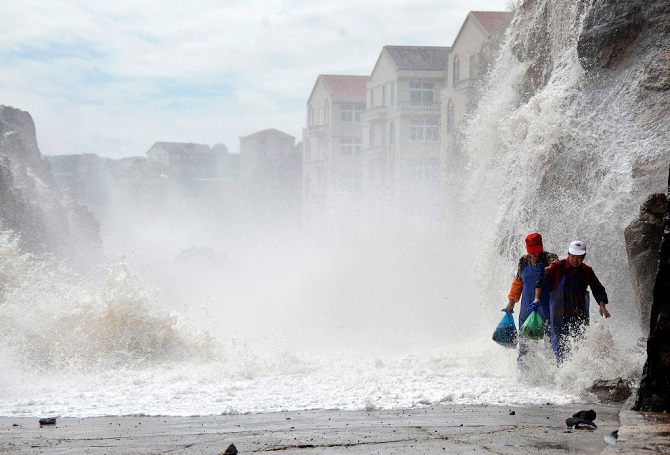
[(577, 248)]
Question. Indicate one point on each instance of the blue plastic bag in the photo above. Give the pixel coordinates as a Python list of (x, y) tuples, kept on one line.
[(505, 334)]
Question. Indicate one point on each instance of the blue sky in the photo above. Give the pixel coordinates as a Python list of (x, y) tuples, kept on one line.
[(112, 78)]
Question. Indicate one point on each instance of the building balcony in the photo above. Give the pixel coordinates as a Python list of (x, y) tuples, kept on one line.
[(317, 130), (407, 107), (374, 114), (465, 84)]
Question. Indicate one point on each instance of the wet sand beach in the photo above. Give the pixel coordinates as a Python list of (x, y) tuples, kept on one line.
[(436, 429)]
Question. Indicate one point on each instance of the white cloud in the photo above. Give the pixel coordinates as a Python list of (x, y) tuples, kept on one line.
[(114, 77)]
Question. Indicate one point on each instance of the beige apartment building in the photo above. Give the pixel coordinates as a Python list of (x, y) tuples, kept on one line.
[(263, 152), (333, 142), (270, 177), (472, 51), (377, 144), (401, 126)]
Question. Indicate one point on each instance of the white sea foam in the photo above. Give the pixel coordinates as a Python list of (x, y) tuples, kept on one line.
[(113, 351)]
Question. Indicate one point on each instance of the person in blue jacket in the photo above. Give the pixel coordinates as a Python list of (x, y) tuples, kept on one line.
[(567, 280), (531, 266)]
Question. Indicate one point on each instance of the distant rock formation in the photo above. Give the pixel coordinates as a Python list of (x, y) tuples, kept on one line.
[(643, 240), (18, 214), (31, 205), (654, 391)]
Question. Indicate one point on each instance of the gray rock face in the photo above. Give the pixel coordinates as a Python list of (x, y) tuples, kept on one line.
[(610, 29), (613, 30), (654, 391), (31, 205), (532, 44), (17, 135), (643, 241), (18, 214)]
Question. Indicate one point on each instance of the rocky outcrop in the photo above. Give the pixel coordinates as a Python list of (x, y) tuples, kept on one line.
[(18, 214), (610, 28), (615, 28), (18, 140), (654, 391), (611, 391), (643, 240), (31, 205), (531, 44)]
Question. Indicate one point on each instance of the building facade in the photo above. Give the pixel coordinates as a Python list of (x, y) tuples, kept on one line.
[(472, 51), (401, 125), (263, 150), (187, 161), (333, 143), (271, 176)]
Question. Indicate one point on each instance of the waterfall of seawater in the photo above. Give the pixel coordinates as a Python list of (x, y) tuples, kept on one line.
[(567, 161), (394, 315)]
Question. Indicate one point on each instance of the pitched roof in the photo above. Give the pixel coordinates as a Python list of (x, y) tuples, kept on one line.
[(419, 57), (493, 22), (182, 146), (345, 85), (267, 133)]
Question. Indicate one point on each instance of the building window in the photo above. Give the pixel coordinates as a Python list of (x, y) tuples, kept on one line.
[(393, 93), (384, 95), (311, 116), (450, 116), (326, 109), (372, 97), (351, 146), (425, 129), (351, 113), (473, 67), (456, 69), (421, 93)]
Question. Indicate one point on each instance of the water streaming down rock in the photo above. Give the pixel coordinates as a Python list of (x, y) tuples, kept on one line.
[(569, 151)]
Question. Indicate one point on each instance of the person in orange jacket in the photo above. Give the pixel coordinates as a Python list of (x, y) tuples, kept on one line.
[(531, 267)]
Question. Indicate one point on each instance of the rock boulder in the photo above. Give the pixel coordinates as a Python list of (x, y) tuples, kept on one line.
[(643, 240), (654, 391)]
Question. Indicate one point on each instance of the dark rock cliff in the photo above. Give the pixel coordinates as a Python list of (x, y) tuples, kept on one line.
[(654, 392), (31, 205), (643, 240)]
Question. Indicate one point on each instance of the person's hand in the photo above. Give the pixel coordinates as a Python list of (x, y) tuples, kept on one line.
[(603, 310), (510, 307), (533, 306)]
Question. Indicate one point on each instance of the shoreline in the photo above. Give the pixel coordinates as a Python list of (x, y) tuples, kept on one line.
[(434, 429)]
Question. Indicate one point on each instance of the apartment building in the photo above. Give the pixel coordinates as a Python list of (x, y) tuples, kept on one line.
[(263, 152), (271, 176), (188, 161), (333, 142), (472, 51), (401, 125)]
